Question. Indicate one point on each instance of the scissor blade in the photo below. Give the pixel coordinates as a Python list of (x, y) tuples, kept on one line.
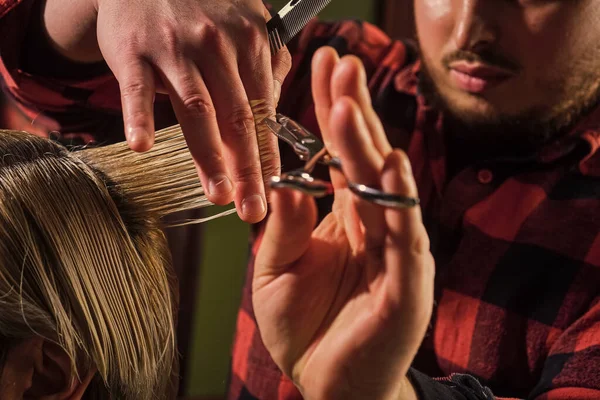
[(305, 144), (281, 131), (302, 181)]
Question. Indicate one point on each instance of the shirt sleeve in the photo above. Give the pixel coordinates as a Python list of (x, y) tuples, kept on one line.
[(14, 20), (455, 387), (571, 371), (73, 103)]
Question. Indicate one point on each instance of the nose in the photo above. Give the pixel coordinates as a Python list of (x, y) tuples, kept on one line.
[(475, 27)]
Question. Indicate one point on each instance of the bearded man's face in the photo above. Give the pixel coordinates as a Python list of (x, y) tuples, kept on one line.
[(529, 63)]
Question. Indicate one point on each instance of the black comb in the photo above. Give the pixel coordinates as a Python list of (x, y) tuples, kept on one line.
[(291, 19)]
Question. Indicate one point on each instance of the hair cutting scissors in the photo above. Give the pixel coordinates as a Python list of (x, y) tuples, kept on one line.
[(311, 150)]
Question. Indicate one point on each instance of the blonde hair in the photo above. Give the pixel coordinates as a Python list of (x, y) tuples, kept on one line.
[(84, 262)]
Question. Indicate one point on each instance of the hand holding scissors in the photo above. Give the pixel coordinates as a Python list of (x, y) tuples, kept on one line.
[(355, 292)]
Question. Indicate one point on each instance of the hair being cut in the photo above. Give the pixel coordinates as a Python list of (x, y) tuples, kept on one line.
[(84, 262)]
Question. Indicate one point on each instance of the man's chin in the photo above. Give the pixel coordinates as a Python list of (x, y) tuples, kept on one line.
[(497, 131), (472, 109)]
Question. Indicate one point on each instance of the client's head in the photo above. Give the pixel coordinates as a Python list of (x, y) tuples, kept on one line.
[(86, 291)]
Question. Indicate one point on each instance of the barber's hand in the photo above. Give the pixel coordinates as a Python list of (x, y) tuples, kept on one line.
[(211, 57), (343, 309)]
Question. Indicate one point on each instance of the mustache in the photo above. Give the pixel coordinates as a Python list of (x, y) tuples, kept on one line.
[(488, 57)]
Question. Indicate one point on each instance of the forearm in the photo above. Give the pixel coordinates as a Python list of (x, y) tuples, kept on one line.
[(69, 27)]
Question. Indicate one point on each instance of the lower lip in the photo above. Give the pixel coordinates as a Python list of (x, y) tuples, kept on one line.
[(473, 84)]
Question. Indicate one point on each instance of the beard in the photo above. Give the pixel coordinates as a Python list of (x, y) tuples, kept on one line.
[(517, 135)]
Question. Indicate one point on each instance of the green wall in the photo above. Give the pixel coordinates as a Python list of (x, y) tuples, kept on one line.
[(224, 256), (224, 261)]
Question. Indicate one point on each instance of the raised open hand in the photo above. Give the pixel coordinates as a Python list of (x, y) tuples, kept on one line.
[(343, 308)]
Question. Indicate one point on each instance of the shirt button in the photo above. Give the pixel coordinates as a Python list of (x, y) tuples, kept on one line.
[(485, 176)]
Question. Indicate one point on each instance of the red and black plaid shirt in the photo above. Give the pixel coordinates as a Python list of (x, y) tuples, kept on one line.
[(517, 244)]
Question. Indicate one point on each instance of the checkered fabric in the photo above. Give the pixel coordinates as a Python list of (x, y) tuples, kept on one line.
[(72, 103), (516, 243), (517, 246)]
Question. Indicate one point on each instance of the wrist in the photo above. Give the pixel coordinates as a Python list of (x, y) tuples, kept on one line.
[(406, 391)]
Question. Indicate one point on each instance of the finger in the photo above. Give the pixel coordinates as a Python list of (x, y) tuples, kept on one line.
[(350, 79), (403, 225), (281, 63), (195, 112), (238, 133), (255, 71), (361, 161), (136, 83), (408, 258), (323, 65), (288, 231)]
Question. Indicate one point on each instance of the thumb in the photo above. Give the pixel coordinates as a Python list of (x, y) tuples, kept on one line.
[(288, 231), (136, 82)]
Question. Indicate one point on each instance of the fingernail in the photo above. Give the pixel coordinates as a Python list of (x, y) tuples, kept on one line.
[(253, 205), (219, 185), (276, 91)]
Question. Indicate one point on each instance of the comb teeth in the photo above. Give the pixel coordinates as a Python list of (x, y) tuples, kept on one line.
[(275, 40), (282, 28)]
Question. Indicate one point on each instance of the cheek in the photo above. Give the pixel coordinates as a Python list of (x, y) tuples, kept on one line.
[(558, 34), (434, 26), (435, 9)]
